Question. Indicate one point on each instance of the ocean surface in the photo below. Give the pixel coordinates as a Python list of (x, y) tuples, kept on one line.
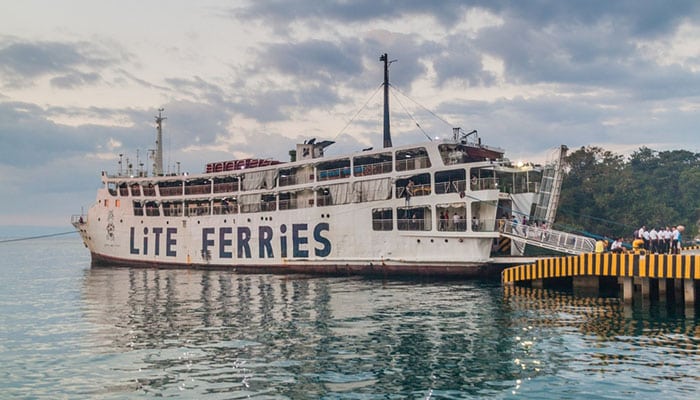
[(69, 331)]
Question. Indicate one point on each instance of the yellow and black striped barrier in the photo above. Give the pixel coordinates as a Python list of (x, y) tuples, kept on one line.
[(671, 266)]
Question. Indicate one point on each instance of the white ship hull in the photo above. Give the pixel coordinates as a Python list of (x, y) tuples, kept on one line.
[(428, 209)]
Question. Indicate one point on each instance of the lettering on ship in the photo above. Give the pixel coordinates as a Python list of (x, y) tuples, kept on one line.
[(238, 242)]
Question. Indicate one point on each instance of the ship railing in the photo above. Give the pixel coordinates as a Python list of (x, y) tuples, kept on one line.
[(382, 224), (195, 211), (139, 212), (297, 178), (483, 183), (335, 173), (452, 226), (372, 169), (409, 224), (170, 191), (549, 238), (531, 187), (172, 211), (412, 163), (225, 187), (149, 191), (290, 204), (197, 189), (123, 191), (78, 219), (258, 207), (224, 209), (418, 190), (476, 225), (450, 186), (152, 211)]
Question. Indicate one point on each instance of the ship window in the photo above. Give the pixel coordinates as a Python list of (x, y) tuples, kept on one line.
[(197, 207), (169, 188), (451, 217), (479, 210), (152, 209), (197, 186), (135, 190), (335, 194), (372, 164), (226, 184), (172, 208), (416, 218), (117, 203), (414, 185), (373, 190), (149, 190), (410, 159), (249, 203), (226, 205), (138, 208), (485, 179), (268, 202), (335, 169), (112, 188), (450, 181), (123, 190), (382, 219)]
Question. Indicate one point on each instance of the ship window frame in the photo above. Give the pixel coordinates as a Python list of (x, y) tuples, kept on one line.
[(385, 222), (412, 159), (420, 223)]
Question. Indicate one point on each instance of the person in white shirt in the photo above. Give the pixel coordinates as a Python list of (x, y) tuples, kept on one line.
[(616, 246), (667, 240), (647, 239), (653, 241), (674, 241)]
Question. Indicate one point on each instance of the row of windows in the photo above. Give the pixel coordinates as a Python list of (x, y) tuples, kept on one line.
[(450, 217)]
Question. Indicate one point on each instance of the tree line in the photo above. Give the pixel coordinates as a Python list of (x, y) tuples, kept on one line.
[(607, 194)]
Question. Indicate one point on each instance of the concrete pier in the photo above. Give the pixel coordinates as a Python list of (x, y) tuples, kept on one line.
[(588, 272), (627, 287)]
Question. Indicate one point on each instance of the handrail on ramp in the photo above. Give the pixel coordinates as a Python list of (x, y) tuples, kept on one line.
[(547, 238)]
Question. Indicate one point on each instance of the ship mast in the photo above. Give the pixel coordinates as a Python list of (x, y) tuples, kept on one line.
[(387, 129), (158, 161)]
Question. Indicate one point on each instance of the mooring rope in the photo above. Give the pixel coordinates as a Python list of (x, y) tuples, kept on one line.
[(36, 237)]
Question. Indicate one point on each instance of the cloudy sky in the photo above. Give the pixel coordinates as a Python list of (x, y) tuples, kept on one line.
[(81, 82)]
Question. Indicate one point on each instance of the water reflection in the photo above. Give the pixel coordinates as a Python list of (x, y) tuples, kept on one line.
[(221, 334)]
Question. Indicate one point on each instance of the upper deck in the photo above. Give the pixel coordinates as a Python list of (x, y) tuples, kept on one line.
[(432, 168)]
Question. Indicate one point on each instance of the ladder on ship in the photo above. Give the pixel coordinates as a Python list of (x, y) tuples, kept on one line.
[(544, 212), (550, 189), (551, 239)]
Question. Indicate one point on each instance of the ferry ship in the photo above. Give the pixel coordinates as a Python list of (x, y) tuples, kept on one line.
[(431, 208)]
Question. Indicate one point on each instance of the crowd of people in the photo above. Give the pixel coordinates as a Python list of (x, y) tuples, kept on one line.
[(658, 241)]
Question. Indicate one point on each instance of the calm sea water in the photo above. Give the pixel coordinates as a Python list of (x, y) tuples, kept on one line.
[(69, 331)]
